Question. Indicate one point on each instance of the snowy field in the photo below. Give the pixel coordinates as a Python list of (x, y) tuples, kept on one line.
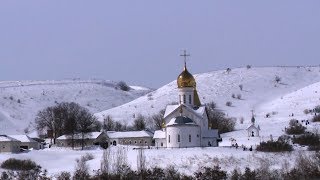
[(186, 161)]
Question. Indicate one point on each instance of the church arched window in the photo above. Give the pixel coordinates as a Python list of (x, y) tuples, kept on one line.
[(189, 99), (178, 137), (169, 138), (184, 99), (189, 137), (180, 100)]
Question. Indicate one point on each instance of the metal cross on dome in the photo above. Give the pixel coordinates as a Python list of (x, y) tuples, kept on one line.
[(185, 55)]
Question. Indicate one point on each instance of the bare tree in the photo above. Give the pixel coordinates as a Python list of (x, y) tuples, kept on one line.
[(108, 124), (139, 123), (48, 119), (81, 170), (158, 119), (85, 124), (141, 161), (106, 162)]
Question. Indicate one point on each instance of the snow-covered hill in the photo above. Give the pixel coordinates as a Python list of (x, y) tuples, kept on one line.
[(21, 100), (259, 87)]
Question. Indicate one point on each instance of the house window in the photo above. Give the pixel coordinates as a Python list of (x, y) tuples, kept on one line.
[(169, 139), (184, 99), (161, 144), (129, 142), (178, 137), (197, 135), (189, 99), (145, 142), (180, 99), (189, 137), (140, 142), (135, 142)]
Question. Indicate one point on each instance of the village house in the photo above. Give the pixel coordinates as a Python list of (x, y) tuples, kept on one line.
[(27, 142), (90, 139), (134, 138), (9, 144)]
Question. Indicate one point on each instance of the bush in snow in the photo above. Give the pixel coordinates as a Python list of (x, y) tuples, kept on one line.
[(277, 79), (248, 66), (274, 146), (123, 86), (81, 169), (295, 127), (233, 96), (63, 176), (307, 139), (238, 96), (316, 118), (241, 87), (306, 111), (229, 103), (211, 173)]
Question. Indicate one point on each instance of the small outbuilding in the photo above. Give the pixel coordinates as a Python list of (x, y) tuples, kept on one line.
[(27, 142), (90, 139), (134, 138), (9, 144)]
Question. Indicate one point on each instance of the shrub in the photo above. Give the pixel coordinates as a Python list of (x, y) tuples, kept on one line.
[(123, 86), (17, 164), (277, 79), (308, 139), (238, 96), (241, 87), (317, 109), (210, 173), (316, 118), (274, 146), (63, 176), (295, 127), (87, 157), (228, 103), (306, 111), (233, 95), (248, 66)]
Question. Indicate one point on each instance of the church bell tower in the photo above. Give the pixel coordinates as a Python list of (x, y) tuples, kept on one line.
[(188, 94)]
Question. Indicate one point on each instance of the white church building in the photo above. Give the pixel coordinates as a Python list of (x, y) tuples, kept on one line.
[(186, 124)]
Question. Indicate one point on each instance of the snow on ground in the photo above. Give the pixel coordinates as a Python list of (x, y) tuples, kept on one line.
[(21, 100), (186, 161)]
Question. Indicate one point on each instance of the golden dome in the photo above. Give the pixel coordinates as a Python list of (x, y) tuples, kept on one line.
[(185, 79)]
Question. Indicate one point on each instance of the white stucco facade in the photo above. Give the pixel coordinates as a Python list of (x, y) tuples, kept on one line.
[(186, 124)]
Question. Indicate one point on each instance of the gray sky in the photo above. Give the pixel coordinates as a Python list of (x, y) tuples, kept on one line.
[(140, 41)]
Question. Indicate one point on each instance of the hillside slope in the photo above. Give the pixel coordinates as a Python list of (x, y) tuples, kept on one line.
[(259, 87), (20, 101)]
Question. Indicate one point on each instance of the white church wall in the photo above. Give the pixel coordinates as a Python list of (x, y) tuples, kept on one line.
[(184, 131), (160, 143)]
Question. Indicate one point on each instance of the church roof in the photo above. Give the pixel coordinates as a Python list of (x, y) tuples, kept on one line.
[(171, 108), (159, 135), (181, 120), (252, 126), (129, 134)]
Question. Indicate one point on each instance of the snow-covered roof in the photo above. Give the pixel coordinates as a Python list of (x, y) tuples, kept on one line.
[(210, 133), (5, 138), (159, 134), (91, 135), (22, 138), (129, 134), (171, 108), (252, 126), (181, 120)]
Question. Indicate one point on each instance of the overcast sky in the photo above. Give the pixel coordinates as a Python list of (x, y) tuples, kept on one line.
[(140, 41)]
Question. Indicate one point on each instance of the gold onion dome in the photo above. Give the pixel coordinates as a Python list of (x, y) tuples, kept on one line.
[(185, 79)]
